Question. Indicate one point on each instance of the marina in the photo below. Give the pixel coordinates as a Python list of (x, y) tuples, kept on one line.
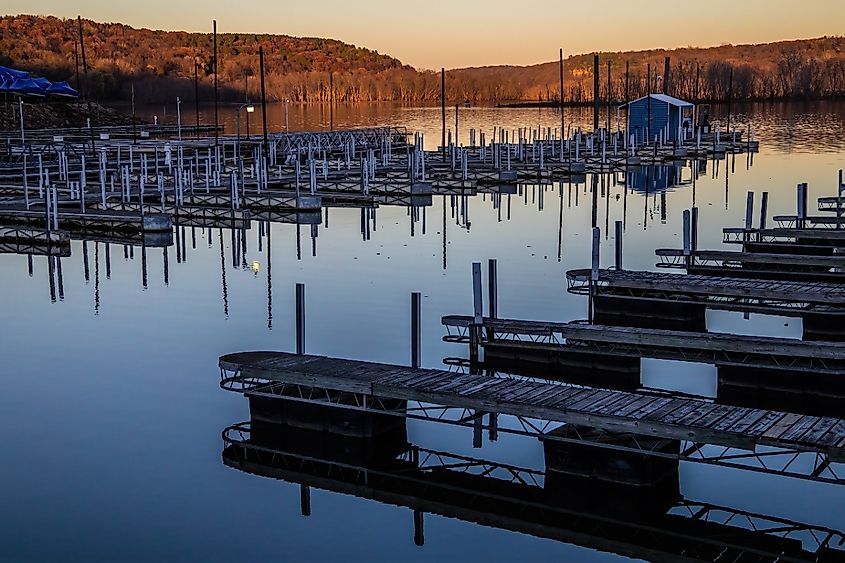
[(639, 368)]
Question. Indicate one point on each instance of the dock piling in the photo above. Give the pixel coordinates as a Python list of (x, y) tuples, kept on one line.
[(415, 330), (594, 274), (300, 318), (618, 245), (749, 210), (492, 292), (595, 93), (764, 209), (478, 313)]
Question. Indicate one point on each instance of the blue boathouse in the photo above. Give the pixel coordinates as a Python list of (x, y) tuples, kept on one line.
[(655, 113)]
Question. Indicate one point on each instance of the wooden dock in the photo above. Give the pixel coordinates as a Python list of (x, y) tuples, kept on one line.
[(752, 295), (613, 411)]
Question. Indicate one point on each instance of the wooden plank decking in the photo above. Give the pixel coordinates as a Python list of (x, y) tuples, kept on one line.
[(615, 411)]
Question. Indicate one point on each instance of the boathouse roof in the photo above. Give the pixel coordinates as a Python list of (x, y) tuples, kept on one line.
[(671, 100)]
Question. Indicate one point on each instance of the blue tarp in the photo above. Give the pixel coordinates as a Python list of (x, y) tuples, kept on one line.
[(62, 89), (14, 73), (15, 81), (26, 86)]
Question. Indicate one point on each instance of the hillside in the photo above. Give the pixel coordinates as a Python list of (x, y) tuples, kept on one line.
[(161, 65), (807, 68)]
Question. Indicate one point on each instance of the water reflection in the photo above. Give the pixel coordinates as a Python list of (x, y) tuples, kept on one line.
[(607, 500)]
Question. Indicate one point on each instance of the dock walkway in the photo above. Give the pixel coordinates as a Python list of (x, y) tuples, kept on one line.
[(613, 411), (753, 295)]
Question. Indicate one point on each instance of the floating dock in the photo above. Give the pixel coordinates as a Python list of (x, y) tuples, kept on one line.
[(628, 298), (365, 385)]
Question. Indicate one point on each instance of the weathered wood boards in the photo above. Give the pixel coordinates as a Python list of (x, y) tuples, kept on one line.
[(615, 411)]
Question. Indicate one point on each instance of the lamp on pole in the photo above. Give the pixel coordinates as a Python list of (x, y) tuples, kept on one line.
[(249, 109)]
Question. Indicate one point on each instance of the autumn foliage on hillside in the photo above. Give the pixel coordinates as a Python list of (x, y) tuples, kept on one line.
[(161, 65)]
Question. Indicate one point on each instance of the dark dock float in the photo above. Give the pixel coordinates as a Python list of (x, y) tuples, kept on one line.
[(323, 379), (629, 298)]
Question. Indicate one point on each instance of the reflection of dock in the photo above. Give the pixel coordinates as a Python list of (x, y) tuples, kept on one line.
[(92, 220), (615, 502), (332, 381), (37, 242)]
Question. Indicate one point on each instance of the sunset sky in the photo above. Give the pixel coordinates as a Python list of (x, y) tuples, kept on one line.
[(462, 33)]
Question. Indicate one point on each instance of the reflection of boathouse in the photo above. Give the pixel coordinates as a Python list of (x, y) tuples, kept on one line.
[(654, 178)]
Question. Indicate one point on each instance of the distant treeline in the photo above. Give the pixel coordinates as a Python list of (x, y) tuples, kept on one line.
[(161, 65)]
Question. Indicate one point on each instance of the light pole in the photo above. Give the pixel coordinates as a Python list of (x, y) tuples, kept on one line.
[(179, 117), (249, 109), (23, 142)]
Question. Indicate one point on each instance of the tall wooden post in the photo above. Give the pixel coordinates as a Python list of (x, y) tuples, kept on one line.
[(627, 76), (216, 115), (562, 130), (666, 75), (263, 101), (196, 99), (595, 93), (730, 98), (87, 92), (648, 102), (331, 101), (443, 112), (609, 96)]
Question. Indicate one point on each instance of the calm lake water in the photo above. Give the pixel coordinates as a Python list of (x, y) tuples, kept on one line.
[(112, 408)]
